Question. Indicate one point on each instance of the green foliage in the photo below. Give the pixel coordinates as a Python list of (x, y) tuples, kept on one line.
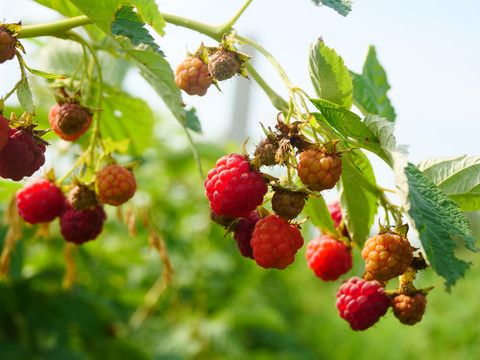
[(24, 95), (317, 212), (458, 177), (192, 122), (343, 7)]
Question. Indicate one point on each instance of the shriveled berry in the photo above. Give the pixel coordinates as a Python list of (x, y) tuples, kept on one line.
[(39, 201), (266, 151), (69, 120), (243, 233), (80, 226), (223, 64), (82, 197), (116, 184), (409, 309), (318, 170), (288, 204), (275, 242), (192, 76), (328, 257), (7, 46), (22, 156), (225, 221), (386, 256), (361, 302), (232, 188), (3, 131)]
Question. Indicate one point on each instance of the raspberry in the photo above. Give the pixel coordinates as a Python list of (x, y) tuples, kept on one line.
[(69, 120), (21, 157), (336, 212), (79, 226), (3, 131), (288, 204), (386, 256), (275, 242), (223, 64), (234, 190), (7, 46), (81, 197), (39, 201), (116, 184), (192, 76), (361, 302), (266, 151), (243, 233), (225, 221), (328, 258), (409, 309), (319, 171)]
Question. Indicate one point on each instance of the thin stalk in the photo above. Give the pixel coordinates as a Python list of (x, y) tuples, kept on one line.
[(195, 152), (228, 25), (275, 99), (215, 32), (53, 28)]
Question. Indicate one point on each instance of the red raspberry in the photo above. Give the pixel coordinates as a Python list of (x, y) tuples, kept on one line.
[(79, 226), (21, 157), (361, 302), (3, 131), (223, 64), (39, 201), (275, 242), (319, 171), (386, 256), (69, 120), (116, 185), (7, 46), (336, 212), (288, 204), (409, 309), (329, 258), (234, 190), (243, 233), (192, 76)]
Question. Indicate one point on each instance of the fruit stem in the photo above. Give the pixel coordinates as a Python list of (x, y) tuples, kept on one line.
[(215, 32), (228, 25), (195, 152), (53, 28), (275, 99)]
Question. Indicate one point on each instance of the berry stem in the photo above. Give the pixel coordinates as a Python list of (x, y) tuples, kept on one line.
[(228, 25), (215, 32), (275, 99), (53, 28)]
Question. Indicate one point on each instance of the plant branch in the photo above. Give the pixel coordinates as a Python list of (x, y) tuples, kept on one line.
[(276, 99), (228, 25), (53, 28), (215, 32)]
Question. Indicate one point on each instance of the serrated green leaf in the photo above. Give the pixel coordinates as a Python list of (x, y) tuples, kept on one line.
[(329, 75), (458, 177), (358, 200), (343, 7), (192, 122), (317, 212), (63, 7), (370, 88), (439, 222), (25, 97), (154, 68), (344, 121)]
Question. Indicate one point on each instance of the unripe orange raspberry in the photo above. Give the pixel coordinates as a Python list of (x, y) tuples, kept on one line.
[(115, 184), (192, 76), (318, 170), (386, 256), (409, 309)]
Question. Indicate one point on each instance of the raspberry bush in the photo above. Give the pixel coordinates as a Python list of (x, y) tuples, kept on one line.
[(267, 195)]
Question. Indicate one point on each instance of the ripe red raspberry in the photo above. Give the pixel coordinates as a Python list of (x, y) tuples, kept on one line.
[(243, 233), (361, 302), (79, 226), (116, 184), (328, 257), (275, 242), (319, 171), (223, 64), (21, 157), (39, 201), (386, 256), (265, 151), (192, 76), (7, 46), (409, 309), (234, 190), (288, 204), (69, 120), (3, 131)]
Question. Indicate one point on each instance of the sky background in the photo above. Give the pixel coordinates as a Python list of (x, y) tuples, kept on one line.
[(429, 49)]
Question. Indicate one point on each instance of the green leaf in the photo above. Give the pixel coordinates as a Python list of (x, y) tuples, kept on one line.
[(439, 222), (317, 212), (25, 97), (329, 75), (154, 68), (111, 146), (358, 199), (344, 121), (192, 122), (343, 7), (371, 87), (458, 177), (63, 7)]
